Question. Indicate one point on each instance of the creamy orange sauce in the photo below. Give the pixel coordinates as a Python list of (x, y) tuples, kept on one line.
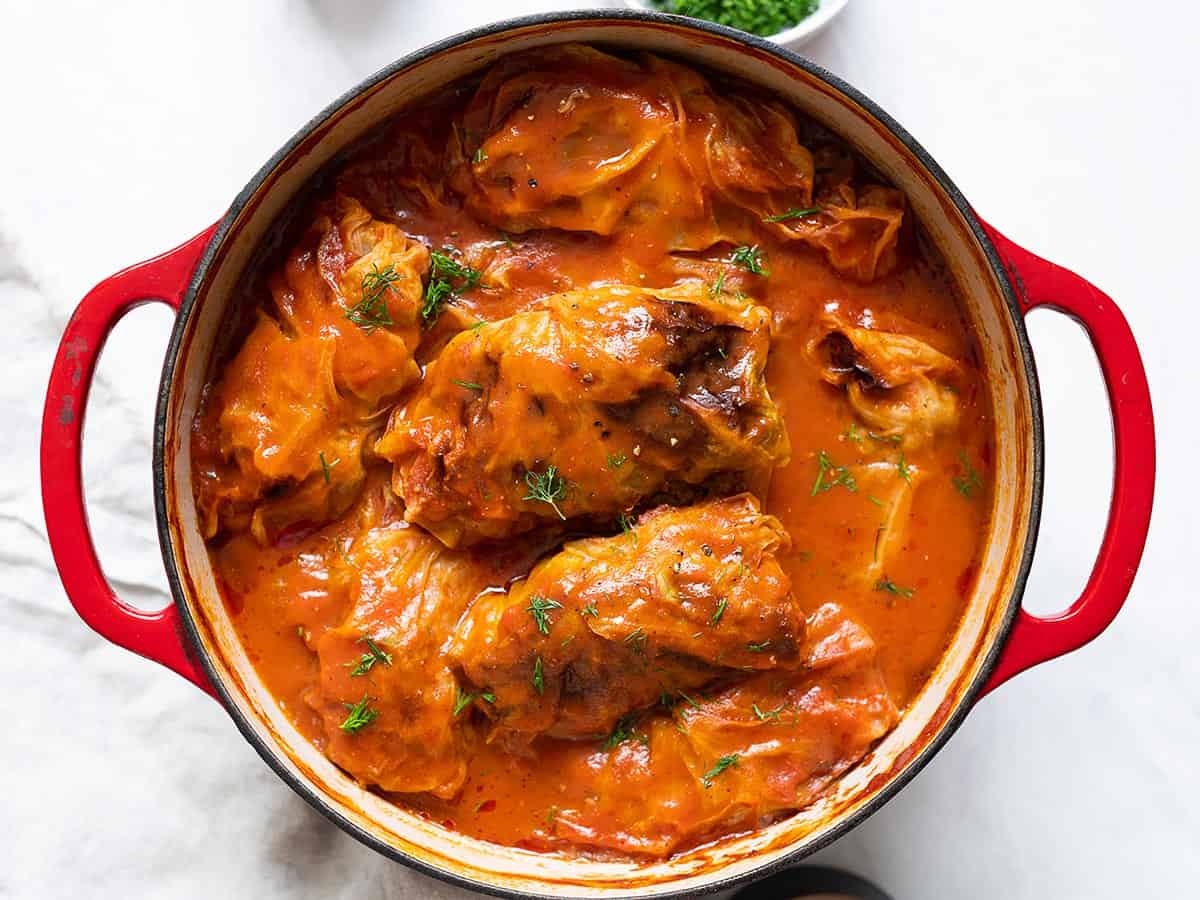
[(285, 595)]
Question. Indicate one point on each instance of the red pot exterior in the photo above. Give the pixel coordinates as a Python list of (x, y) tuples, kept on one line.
[(155, 635)]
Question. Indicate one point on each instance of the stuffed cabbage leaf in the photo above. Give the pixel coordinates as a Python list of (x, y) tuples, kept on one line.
[(612, 624), (738, 758), (577, 139), (291, 413), (584, 407)]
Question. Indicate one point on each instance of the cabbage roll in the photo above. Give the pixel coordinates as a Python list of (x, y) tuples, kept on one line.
[(573, 138), (584, 408), (737, 758), (612, 624), (392, 710), (296, 402)]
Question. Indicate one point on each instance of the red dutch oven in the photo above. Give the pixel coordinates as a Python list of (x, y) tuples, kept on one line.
[(999, 283)]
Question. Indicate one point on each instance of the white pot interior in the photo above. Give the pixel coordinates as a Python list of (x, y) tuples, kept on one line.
[(560, 876)]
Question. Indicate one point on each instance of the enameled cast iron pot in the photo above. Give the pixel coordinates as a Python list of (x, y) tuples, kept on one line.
[(998, 280)]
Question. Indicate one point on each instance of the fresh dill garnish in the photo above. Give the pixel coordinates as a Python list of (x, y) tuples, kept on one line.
[(831, 475), (718, 767), (769, 714), (758, 647), (487, 697), (717, 286), (885, 584), (468, 385), (625, 520), (436, 293), (475, 328), (442, 265), (622, 732), (539, 608), (875, 500), (373, 655), (719, 612), (616, 460), (637, 640), (903, 470), (326, 467), (885, 438), (590, 610), (480, 156), (463, 701), (447, 278), (548, 487), (793, 213), (750, 259), (360, 716), (670, 701), (853, 434), (371, 311), (969, 481), (538, 679)]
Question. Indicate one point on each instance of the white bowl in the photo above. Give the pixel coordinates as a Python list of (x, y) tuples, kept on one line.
[(793, 37)]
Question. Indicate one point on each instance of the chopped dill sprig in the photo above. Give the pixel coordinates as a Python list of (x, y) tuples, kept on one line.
[(969, 481), (750, 259), (463, 701), (547, 487), (793, 213), (539, 678), (831, 475), (719, 612), (371, 311), (719, 766), (622, 732), (373, 655), (360, 716), (327, 467), (447, 278), (769, 714), (540, 608), (637, 640), (889, 586)]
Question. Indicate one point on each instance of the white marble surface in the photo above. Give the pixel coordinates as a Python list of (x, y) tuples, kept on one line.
[(1073, 125)]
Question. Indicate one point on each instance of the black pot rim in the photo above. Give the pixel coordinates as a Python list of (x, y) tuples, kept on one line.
[(304, 788)]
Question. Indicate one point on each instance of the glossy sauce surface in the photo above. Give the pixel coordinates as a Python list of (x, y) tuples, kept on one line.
[(886, 526)]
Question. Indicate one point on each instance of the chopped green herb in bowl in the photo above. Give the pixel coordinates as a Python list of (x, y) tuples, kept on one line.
[(789, 22)]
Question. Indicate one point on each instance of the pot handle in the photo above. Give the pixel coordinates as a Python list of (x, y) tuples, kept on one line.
[(155, 635), (1036, 639)]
